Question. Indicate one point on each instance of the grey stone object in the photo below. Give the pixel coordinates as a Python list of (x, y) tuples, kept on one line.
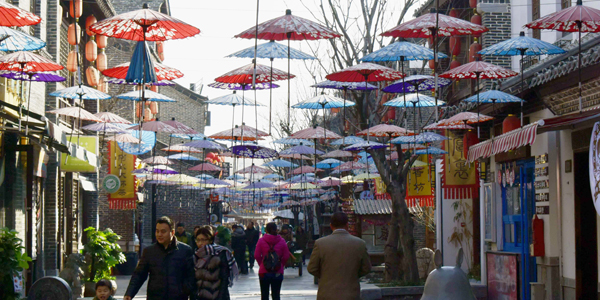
[(50, 288), (448, 283)]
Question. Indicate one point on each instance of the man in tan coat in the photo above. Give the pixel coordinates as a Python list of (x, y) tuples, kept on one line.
[(339, 260)]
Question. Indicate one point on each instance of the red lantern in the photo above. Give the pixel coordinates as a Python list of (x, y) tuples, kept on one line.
[(346, 126), (154, 108), (88, 22), (455, 45), (92, 75), (510, 123), (101, 85), (476, 19), (432, 64), (473, 49), (161, 56), (147, 115), (453, 13), (454, 63), (138, 109), (469, 139), (473, 3), (160, 49), (154, 88), (101, 40), (72, 61), (77, 10), (335, 110), (91, 50), (74, 34), (101, 63)]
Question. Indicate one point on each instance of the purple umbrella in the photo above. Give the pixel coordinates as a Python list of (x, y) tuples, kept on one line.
[(216, 182), (239, 87), (253, 151), (301, 149), (259, 185), (38, 77), (122, 81), (204, 144)]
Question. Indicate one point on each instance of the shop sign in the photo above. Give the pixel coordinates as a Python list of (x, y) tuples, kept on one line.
[(69, 163), (111, 183), (542, 210)]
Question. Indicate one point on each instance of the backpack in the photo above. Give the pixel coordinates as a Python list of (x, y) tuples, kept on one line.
[(271, 260)]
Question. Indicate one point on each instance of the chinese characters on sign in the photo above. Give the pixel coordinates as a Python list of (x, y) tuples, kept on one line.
[(121, 164), (459, 176)]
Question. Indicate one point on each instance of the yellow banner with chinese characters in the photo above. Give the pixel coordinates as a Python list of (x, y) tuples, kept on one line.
[(459, 177), (419, 185), (380, 187), (121, 164)]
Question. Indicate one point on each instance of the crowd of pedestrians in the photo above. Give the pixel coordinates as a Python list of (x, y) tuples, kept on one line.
[(205, 264)]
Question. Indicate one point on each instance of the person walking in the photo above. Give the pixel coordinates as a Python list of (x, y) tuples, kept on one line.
[(168, 262), (184, 236), (238, 244), (214, 266), (338, 261), (271, 254), (252, 236), (301, 241)]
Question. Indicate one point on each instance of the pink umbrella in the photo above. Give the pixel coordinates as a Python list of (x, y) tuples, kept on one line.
[(438, 126), (75, 112), (305, 169), (337, 153), (465, 118), (180, 127), (386, 130), (205, 167), (329, 181), (156, 126), (425, 26), (317, 132), (246, 132), (349, 166), (159, 160), (253, 169), (125, 138), (109, 117), (181, 148)]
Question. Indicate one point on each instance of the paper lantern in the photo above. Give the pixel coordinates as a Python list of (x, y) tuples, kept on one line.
[(88, 22), (101, 40), (432, 64), (476, 19), (72, 63), (473, 49), (76, 8), (147, 115), (101, 63), (510, 123), (74, 34), (91, 50), (454, 63), (391, 113), (154, 108), (455, 45), (92, 75), (160, 49), (138, 109), (469, 139), (102, 85), (473, 3), (453, 13)]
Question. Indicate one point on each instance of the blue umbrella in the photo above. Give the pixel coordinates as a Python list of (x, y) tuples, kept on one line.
[(494, 96), (522, 45), (401, 51), (339, 85), (348, 140), (292, 141), (195, 136), (183, 156), (232, 99), (329, 163), (425, 137), (16, 40), (323, 101), (417, 100), (204, 176), (273, 176), (81, 92), (430, 150), (148, 137), (235, 177), (146, 95), (280, 163), (365, 158), (140, 63)]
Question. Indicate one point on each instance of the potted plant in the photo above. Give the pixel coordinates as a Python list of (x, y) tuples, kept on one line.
[(13, 259), (102, 253)]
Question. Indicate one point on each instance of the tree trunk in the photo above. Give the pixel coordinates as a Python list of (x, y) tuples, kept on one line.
[(393, 255)]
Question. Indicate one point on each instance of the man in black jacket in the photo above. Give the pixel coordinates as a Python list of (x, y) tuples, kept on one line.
[(170, 266), (238, 244), (252, 236)]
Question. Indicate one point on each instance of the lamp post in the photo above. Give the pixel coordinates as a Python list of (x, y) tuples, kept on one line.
[(296, 212)]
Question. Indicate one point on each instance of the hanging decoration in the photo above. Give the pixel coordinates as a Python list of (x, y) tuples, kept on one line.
[(76, 8), (72, 62), (459, 178), (101, 40), (88, 22), (101, 61), (91, 50), (476, 19), (420, 190), (92, 75), (74, 34), (454, 63), (122, 165), (473, 51)]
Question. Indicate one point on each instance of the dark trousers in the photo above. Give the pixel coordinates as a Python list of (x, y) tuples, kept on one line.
[(251, 258), (240, 259), (272, 280)]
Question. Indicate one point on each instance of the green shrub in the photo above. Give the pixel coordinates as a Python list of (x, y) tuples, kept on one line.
[(13, 259), (102, 253)]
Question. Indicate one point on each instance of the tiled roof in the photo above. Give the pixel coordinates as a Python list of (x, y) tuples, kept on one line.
[(372, 207)]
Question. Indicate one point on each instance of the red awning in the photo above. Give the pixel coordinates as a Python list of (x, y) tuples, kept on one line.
[(511, 140), (570, 121)]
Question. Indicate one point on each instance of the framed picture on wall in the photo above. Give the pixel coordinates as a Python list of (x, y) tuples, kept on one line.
[(489, 212)]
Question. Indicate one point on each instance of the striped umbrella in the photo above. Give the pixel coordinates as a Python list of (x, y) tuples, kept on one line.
[(163, 72)]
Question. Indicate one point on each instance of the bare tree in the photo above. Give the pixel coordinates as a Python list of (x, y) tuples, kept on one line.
[(360, 22)]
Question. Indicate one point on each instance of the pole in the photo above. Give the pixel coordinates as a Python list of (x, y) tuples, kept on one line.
[(404, 92), (523, 87), (579, 65), (289, 35), (434, 33), (477, 87), (270, 96)]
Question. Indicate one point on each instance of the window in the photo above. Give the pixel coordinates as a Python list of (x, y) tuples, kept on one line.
[(374, 236)]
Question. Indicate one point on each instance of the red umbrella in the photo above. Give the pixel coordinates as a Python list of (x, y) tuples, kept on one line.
[(425, 25), (367, 72), (109, 117), (27, 62), (205, 167), (244, 75), (288, 27), (156, 126), (438, 126), (11, 15), (162, 72), (478, 70), (386, 130), (576, 18), (181, 128), (144, 25), (246, 132), (305, 169)]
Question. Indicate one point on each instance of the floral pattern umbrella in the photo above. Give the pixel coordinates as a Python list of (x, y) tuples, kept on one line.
[(16, 40), (293, 141), (366, 72), (315, 133), (242, 87), (155, 126), (111, 118), (271, 50), (181, 148), (28, 62), (11, 15), (75, 112), (305, 169), (323, 101), (125, 138), (423, 27), (289, 27), (254, 169), (385, 130), (339, 85), (440, 125), (244, 75), (103, 127), (349, 166), (148, 95), (348, 140), (280, 163), (160, 160), (466, 118), (162, 72), (241, 133), (182, 128), (401, 51), (478, 70), (339, 153), (36, 77), (205, 167), (253, 151)]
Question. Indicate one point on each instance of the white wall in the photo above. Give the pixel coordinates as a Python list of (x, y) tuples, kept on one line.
[(568, 208)]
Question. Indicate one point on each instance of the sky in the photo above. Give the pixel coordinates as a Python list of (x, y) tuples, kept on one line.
[(202, 58)]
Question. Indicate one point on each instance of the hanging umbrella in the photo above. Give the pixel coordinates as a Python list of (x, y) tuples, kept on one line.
[(348, 140), (301, 149), (315, 133), (75, 112), (385, 130), (148, 95), (189, 136), (329, 163), (123, 82), (155, 126), (305, 169), (493, 96), (424, 137), (28, 62), (287, 27), (339, 85), (183, 179), (259, 185), (140, 68), (365, 72), (15, 16), (162, 72), (235, 177), (367, 176), (295, 156), (242, 87), (401, 51), (125, 138), (438, 126), (323, 101), (339, 153), (103, 126), (205, 144), (242, 133), (243, 75), (80, 92), (250, 150), (183, 156), (430, 150), (182, 128), (144, 25), (161, 169), (523, 45), (417, 100), (292, 141), (466, 118), (181, 148), (302, 186), (111, 118), (273, 177), (349, 166), (368, 145), (233, 99), (205, 167), (161, 160), (478, 70), (253, 169), (206, 177), (36, 77), (576, 18)]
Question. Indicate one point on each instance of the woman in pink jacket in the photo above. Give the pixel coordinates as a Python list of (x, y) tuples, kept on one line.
[(270, 272)]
